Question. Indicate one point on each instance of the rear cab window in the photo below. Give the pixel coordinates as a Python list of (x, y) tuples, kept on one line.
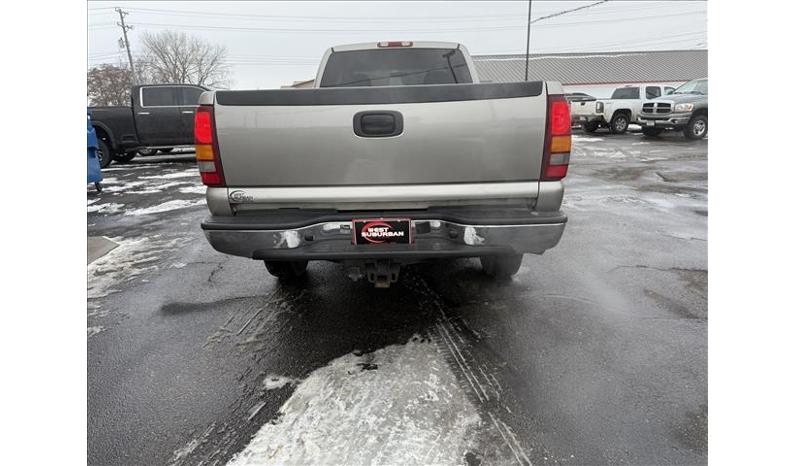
[(653, 91), (159, 96), (189, 96), (395, 67), (626, 93)]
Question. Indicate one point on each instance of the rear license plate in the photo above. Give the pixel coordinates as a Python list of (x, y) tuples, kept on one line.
[(581, 118), (382, 231)]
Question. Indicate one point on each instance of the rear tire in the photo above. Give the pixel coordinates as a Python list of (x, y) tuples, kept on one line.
[(124, 158), (619, 123), (286, 270), (166, 150), (503, 266), (697, 127), (590, 126), (104, 153), (651, 132)]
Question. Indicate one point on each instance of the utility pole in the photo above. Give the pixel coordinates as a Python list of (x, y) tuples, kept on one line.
[(528, 40), (126, 28)]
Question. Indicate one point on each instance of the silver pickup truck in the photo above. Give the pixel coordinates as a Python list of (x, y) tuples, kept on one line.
[(398, 155)]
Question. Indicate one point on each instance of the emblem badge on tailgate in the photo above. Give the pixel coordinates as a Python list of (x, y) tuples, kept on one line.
[(240, 196)]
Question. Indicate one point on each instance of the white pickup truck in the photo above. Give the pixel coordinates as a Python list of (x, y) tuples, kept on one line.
[(397, 156), (622, 109)]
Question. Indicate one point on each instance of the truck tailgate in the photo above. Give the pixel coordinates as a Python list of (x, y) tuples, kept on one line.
[(463, 133), (583, 108)]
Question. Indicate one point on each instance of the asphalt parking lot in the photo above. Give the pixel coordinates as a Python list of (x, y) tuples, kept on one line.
[(595, 353)]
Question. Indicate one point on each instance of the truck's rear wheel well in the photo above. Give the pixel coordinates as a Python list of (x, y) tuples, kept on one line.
[(103, 135)]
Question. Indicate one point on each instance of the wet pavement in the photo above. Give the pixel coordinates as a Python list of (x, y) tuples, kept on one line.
[(595, 353)]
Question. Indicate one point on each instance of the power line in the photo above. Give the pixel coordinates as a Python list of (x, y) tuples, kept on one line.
[(327, 19), (403, 30), (552, 15), (560, 13)]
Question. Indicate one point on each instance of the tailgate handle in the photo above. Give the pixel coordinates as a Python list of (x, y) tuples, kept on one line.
[(378, 124)]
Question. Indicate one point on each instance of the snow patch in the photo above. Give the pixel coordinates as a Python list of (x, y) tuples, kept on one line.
[(130, 259), (172, 184), (110, 208), (194, 190), (401, 404), (146, 191), (585, 139), (168, 176), (123, 187), (272, 382), (165, 207)]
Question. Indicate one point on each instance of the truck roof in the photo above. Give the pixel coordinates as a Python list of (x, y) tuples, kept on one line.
[(415, 44)]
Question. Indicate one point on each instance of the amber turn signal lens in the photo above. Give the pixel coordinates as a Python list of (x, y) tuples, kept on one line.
[(561, 143), (204, 152)]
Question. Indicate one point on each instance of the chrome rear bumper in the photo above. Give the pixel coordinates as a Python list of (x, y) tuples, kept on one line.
[(431, 238)]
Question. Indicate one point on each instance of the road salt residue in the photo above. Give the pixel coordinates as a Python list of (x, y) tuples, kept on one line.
[(398, 405)]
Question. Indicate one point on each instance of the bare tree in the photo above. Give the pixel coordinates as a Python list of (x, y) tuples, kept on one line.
[(109, 85), (176, 57)]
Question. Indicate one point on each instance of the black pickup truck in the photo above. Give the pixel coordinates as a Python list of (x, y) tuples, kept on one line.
[(160, 117)]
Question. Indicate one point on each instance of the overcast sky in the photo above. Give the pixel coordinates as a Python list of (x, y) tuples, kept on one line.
[(270, 44)]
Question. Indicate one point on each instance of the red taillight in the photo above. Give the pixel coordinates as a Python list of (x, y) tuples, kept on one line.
[(558, 139), (559, 117), (207, 157), (203, 125)]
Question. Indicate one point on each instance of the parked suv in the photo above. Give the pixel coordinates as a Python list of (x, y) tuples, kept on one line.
[(686, 110)]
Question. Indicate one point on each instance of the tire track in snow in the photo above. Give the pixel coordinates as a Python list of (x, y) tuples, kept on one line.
[(483, 384)]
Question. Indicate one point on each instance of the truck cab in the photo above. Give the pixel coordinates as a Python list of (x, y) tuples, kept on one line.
[(160, 116), (164, 114)]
